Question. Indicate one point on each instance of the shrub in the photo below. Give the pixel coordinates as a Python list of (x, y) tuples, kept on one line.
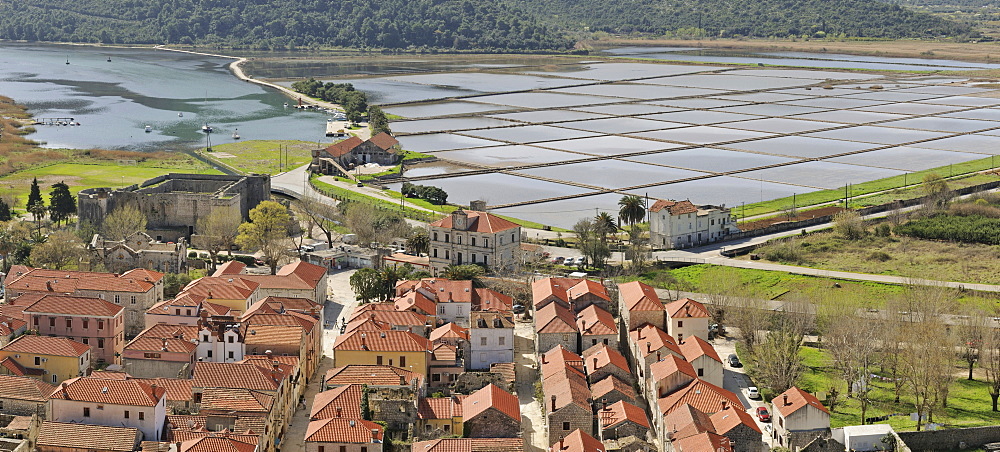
[(784, 251), (850, 225), (968, 229), (883, 230), (880, 256)]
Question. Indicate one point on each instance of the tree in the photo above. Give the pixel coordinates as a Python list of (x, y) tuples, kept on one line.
[(989, 360), (322, 215), (374, 225), (927, 351), (392, 274), (61, 249), (850, 225), (5, 212), (35, 198), (591, 245), (123, 222), (13, 235), (419, 242), (368, 285), (632, 209), (852, 340), (777, 363), (605, 225), (266, 232), (971, 330), (217, 232), (377, 120), (936, 191), (466, 272), (174, 282), (62, 204)]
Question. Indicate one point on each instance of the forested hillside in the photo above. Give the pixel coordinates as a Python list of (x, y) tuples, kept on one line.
[(452, 24), (759, 18), (487, 25)]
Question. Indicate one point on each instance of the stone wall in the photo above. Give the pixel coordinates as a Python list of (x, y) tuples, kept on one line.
[(951, 439), (17, 407), (576, 416), (625, 429), (469, 382), (746, 439), (151, 368), (396, 407), (492, 424), (549, 340)]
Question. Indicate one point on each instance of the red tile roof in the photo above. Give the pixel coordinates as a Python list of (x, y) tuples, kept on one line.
[(403, 318), (343, 147), (68, 281), (144, 274), (491, 300), (685, 421), (444, 352), (45, 345), (384, 141), (638, 296), (110, 375), (674, 207), (545, 288), (479, 222), (650, 339), (670, 365), (797, 399), (559, 360), (695, 347), (593, 320), (15, 368), (25, 388), (10, 325), (440, 407), (555, 319), (611, 383), (236, 375), (346, 398), (488, 397), (77, 306), (384, 341), (229, 400), (222, 288), (568, 389), (470, 445), (578, 441), (87, 437), (116, 392), (373, 375), (415, 300), (440, 290), (728, 419), (619, 412), (449, 331), (340, 430), (703, 442), (178, 389), (700, 394), (601, 356), (686, 308), (173, 338), (367, 324), (217, 444), (273, 335), (588, 287), (230, 268), (490, 319)]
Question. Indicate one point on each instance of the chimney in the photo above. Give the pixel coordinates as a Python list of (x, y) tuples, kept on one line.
[(561, 442), (402, 381), (477, 205), (784, 400), (595, 362), (657, 355), (649, 348), (605, 403), (164, 348), (544, 361), (274, 364), (553, 402), (724, 405), (48, 286), (268, 353)]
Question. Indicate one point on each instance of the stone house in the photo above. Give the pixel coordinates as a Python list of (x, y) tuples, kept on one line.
[(180, 397), (577, 441), (650, 344), (343, 435), (73, 437), (446, 365), (681, 224), (704, 397), (185, 309), (296, 280), (798, 418), (601, 361), (575, 293), (567, 402), (686, 318), (139, 251), (279, 380), (395, 320), (93, 321), (622, 419), (23, 396), (474, 237), (344, 401), (640, 305), (233, 292), (382, 149), (703, 359), (491, 412), (667, 376), (491, 340), (394, 348), (612, 389), (556, 325), (113, 403), (376, 377), (453, 299), (740, 427), (450, 334), (597, 326), (11, 327), (287, 334), (470, 445)]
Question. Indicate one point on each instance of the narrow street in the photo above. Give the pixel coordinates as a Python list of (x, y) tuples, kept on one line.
[(526, 373), (737, 381), (340, 304)]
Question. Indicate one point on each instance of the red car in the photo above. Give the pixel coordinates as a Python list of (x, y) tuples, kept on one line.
[(763, 415)]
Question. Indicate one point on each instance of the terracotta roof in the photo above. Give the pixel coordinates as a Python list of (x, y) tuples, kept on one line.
[(366, 324), (222, 288), (144, 274), (470, 445), (700, 394), (384, 141), (578, 441), (116, 392), (638, 296), (670, 365), (25, 388), (340, 430), (279, 282), (588, 287), (385, 341), (87, 436), (568, 389), (287, 304), (674, 207), (440, 407), (373, 375), (594, 320), (15, 368), (68, 281), (440, 290), (13, 310), (548, 287), (601, 356), (490, 319), (79, 306), (797, 399), (415, 300), (491, 300), (226, 400), (611, 383), (215, 310), (230, 268), (343, 147), (479, 222), (286, 364), (695, 347), (504, 369), (177, 425), (182, 301), (555, 319), (110, 375), (178, 389), (444, 352), (622, 411), (404, 318), (559, 360), (175, 338), (702, 442), (728, 419), (273, 335), (686, 308), (236, 375), (653, 340), (346, 398), (286, 319), (491, 396), (19, 423), (685, 421), (10, 325), (45, 345), (310, 273), (449, 331), (217, 444)]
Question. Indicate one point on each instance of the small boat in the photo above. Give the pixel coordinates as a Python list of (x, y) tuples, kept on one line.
[(149, 128), (236, 134), (206, 128), (286, 104), (67, 60), (109, 59), (180, 115)]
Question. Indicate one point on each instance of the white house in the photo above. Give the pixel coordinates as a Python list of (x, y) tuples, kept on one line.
[(681, 224), (114, 403), (703, 359), (491, 340), (798, 418), (686, 318), (474, 237), (220, 343)]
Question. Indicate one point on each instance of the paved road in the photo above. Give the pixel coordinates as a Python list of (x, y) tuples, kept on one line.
[(735, 380), (526, 374)]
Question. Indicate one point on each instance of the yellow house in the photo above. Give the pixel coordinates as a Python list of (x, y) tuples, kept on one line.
[(439, 417), (50, 359), (401, 349), (231, 291)]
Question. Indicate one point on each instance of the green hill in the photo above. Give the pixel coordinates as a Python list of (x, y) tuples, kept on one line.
[(484, 25)]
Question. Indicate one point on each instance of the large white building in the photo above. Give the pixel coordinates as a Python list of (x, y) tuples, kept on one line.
[(491, 340), (114, 403), (681, 224), (474, 237)]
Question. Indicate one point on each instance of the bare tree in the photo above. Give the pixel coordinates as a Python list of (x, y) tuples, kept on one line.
[(217, 232), (852, 340), (927, 352), (123, 222), (373, 225), (60, 250), (989, 360), (319, 214), (971, 329), (776, 358)]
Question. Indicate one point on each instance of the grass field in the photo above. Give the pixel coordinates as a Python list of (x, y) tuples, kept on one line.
[(969, 403), (899, 256), (80, 176), (262, 156)]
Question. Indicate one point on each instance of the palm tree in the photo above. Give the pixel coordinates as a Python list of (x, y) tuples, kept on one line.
[(605, 225), (632, 209)]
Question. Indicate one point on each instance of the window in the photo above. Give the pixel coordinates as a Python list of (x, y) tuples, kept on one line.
[(177, 311), (485, 260), (118, 299), (365, 448), (52, 321), (378, 360), (565, 425), (390, 361), (593, 342), (209, 353), (231, 339), (86, 323), (605, 342), (512, 238), (447, 238), (38, 361), (36, 320), (441, 309), (100, 324), (343, 448), (473, 258), (435, 377), (230, 355), (701, 372), (447, 255), (459, 258), (133, 299), (142, 415), (473, 241), (486, 242), (322, 449), (565, 337), (188, 312), (86, 411), (204, 338), (86, 341), (458, 239), (127, 414), (100, 343), (447, 427), (502, 340), (435, 236), (680, 324), (435, 252), (482, 341), (54, 378), (402, 361), (482, 357)]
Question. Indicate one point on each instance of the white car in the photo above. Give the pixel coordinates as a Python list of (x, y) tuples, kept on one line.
[(753, 393)]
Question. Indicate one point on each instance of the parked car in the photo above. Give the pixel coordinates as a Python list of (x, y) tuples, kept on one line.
[(570, 261), (518, 309), (558, 260), (763, 415), (259, 261), (753, 393), (734, 361)]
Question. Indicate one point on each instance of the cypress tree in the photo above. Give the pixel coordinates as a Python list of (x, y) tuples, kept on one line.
[(61, 202)]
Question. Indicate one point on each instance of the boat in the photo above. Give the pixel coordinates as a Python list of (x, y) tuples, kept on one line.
[(236, 134), (109, 59), (67, 60), (180, 115), (149, 128), (206, 128), (286, 104)]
